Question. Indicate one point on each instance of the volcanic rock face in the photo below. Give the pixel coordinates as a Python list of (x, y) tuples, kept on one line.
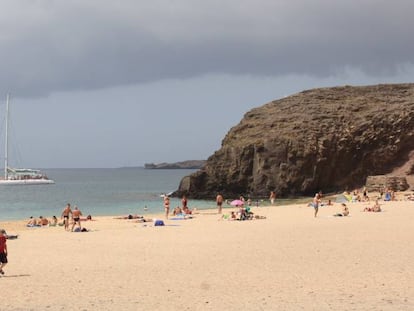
[(323, 139), (380, 182)]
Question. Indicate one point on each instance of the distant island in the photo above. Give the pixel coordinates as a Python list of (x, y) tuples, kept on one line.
[(190, 164)]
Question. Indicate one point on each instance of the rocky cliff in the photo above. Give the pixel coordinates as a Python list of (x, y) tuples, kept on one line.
[(328, 139)]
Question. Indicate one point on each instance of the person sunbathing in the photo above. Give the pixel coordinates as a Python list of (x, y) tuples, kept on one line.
[(231, 216), (43, 221), (177, 211), (129, 217), (188, 211), (144, 220), (53, 222), (89, 217), (79, 229), (376, 208), (32, 222), (345, 211)]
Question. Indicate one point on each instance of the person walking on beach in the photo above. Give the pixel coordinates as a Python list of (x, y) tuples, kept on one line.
[(3, 250), (316, 201), (272, 197), (166, 205), (219, 202), (76, 214), (65, 215)]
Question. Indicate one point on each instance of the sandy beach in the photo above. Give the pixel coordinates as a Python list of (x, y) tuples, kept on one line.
[(288, 261)]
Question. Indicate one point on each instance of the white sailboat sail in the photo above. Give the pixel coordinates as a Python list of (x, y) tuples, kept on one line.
[(19, 176)]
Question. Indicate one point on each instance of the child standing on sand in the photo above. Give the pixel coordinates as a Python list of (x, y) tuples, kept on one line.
[(3, 250)]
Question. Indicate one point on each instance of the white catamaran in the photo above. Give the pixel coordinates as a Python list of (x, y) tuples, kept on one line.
[(19, 176)]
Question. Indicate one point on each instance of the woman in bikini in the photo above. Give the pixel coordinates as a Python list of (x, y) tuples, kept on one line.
[(166, 206)]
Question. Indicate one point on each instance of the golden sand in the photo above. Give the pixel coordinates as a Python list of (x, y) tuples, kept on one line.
[(288, 261)]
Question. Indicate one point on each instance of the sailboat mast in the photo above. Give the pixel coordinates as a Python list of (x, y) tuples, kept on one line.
[(6, 141)]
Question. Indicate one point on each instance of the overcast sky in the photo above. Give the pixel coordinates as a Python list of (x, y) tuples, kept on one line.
[(98, 83)]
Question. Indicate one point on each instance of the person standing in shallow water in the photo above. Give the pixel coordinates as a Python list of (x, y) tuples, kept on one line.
[(219, 202)]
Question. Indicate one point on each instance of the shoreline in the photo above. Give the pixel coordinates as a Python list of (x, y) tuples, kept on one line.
[(291, 203)]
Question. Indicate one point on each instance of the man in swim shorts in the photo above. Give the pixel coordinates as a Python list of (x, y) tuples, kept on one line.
[(65, 215), (76, 214)]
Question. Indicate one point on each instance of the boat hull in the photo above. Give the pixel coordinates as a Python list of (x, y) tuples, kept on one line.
[(27, 182)]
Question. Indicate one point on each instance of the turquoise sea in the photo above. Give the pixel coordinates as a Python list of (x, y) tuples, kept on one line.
[(116, 191), (98, 192)]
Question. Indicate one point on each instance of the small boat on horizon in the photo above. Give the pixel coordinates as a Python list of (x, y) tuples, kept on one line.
[(19, 176)]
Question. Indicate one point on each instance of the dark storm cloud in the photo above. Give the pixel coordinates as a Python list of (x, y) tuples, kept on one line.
[(48, 46)]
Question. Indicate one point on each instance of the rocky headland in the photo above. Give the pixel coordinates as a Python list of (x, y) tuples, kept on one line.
[(327, 139), (189, 164)]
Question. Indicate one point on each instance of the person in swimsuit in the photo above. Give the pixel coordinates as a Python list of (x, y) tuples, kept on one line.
[(53, 222), (32, 222), (166, 206), (345, 211), (184, 202), (219, 202), (43, 221), (65, 216), (272, 197), (76, 214), (315, 203), (3, 250)]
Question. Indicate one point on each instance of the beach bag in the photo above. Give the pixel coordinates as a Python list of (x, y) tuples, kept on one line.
[(159, 223)]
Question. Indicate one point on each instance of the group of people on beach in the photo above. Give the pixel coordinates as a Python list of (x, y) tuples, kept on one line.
[(355, 197), (67, 212), (42, 222), (75, 216), (68, 216), (243, 210), (220, 201), (182, 210), (376, 208)]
